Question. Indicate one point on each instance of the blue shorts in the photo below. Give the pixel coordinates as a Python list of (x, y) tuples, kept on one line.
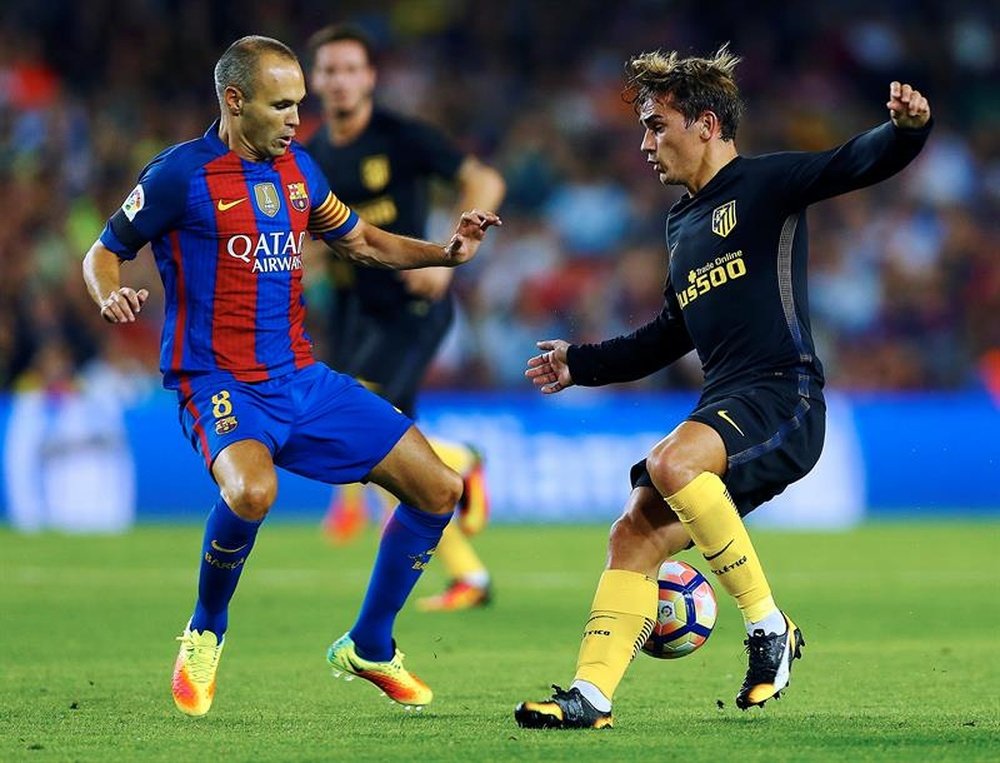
[(316, 422)]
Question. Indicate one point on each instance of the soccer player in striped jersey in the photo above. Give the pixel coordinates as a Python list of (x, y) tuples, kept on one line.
[(227, 215), (736, 293)]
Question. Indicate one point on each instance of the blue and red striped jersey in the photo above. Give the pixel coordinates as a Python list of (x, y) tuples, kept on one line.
[(227, 234)]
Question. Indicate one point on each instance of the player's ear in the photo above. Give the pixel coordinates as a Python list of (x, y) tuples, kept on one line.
[(234, 100), (709, 121)]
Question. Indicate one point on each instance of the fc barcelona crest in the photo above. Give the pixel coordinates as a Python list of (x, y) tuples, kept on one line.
[(375, 172), (266, 196), (226, 425), (724, 218), (298, 197)]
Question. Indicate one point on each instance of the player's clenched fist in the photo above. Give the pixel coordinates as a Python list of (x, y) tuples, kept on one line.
[(123, 304), (907, 107)]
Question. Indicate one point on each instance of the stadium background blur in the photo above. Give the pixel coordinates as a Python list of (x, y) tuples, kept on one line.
[(905, 277)]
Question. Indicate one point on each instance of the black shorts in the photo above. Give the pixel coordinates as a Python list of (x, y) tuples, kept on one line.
[(773, 437), (389, 352)]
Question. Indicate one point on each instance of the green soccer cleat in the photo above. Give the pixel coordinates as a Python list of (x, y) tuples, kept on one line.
[(395, 681), (193, 683), (771, 658), (563, 710)]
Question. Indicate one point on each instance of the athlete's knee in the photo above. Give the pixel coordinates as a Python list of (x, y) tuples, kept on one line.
[(251, 497), (671, 467), (622, 539), (450, 491), (442, 491), (628, 549), (622, 535)]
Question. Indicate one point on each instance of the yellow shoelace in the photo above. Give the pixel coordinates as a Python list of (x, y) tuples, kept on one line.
[(202, 658)]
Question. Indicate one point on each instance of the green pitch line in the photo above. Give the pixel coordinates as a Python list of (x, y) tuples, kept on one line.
[(902, 663)]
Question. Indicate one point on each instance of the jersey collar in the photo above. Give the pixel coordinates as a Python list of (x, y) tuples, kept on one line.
[(212, 136), (713, 182)]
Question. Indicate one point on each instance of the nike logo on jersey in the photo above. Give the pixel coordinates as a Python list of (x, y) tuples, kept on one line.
[(224, 206), (713, 556), (224, 550), (724, 415)]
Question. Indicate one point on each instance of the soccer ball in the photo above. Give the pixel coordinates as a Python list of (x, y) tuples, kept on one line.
[(686, 612)]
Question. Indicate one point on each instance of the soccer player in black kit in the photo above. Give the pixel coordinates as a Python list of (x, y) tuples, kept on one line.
[(385, 328), (735, 293)]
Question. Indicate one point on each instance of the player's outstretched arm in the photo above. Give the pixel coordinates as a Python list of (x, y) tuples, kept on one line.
[(550, 370), (102, 274), (805, 177), (907, 107), (373, 246)]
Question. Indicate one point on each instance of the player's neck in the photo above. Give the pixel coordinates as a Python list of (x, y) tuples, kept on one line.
[(344, 128), (237, 143), (712, 163)]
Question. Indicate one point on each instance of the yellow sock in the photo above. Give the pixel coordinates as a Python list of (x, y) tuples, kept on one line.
[(621, 619), (458, 556), (455, 455), (710, 517)]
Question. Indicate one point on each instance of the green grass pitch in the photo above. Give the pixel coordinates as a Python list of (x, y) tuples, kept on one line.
[(902, 663)]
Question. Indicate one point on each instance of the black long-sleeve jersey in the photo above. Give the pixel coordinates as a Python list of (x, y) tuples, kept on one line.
[(736, 286), (384, 175)]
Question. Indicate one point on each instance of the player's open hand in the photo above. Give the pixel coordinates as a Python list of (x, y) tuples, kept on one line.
[(123, 305), (550, 370), (468, 235), (907, 107)]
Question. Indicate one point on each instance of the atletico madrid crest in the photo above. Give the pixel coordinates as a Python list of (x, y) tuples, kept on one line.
[(724, 218)]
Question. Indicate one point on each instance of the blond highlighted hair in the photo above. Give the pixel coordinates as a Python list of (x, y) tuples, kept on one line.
[(695, 84)]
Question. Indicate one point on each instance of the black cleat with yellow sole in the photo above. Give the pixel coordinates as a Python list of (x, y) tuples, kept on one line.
[(770, 656), (563, 710)]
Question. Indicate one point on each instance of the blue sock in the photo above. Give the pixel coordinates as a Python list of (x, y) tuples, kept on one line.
[(227, 544), (407, 544)]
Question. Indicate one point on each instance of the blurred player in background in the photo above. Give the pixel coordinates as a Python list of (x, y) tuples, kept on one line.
[(385, 327), (736, 293), (227, 215)]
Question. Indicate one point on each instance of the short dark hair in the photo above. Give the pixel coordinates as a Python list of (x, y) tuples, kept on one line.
[(341, 33), (238, 65), (696, 84)]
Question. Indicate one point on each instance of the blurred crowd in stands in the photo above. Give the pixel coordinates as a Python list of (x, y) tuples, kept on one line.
[(905, 277)]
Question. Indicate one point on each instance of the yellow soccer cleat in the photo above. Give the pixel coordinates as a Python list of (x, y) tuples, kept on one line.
[(194, 672), (770, 656), (457, 596), (395, 681)]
